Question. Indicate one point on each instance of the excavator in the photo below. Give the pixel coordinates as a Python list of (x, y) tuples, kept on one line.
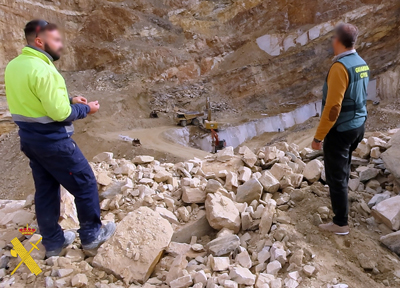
[(213, 127)]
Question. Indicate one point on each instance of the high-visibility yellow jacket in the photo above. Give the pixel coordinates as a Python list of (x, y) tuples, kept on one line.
[(38, 99)]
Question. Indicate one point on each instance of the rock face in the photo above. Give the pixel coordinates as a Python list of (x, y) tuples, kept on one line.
[(142, 235), (222, 212), (388, 212)]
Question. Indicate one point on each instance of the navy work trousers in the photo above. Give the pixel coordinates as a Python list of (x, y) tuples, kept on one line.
[(62, 162)]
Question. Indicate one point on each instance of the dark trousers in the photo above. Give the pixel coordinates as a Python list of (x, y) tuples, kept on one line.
[(338, 147), (56, 163)]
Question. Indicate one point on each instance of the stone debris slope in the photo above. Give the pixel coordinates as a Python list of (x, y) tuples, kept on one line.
[(222, 221)]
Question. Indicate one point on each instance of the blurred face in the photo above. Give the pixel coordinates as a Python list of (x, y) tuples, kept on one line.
[(51, 42), (336, 45)]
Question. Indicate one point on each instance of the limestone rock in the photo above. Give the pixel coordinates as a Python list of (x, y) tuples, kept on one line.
[(143, 159), (368, 174), (388, 212), (273, 267), (269, 182), (220, 263), (392, 241), (223, 245), (378, 198), (249, 191), (68, 213), (199, 228), (182, 282), (244, 174), (309, 270), (354, 183), (222, 212), (242, 276), (213, 186), (193, 195), (103, 179), (136, 247), (363, 149), (162, 176), (391, 157), (104, 156), (231, 180), (244, 260), (79, 280), (279, 170), (376, 142), (312, 171), (375, 153), (249, 158), (225, 154), (267, 217), (165, 213)]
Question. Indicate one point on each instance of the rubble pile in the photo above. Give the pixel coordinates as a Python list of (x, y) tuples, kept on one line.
[(193, 224)]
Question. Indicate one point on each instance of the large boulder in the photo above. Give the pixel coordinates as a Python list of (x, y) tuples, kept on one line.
[(136, 247), (391, 157), (225, 154), (392, 241), (249, 191), (388, 212), (312, 171), (222, 213)]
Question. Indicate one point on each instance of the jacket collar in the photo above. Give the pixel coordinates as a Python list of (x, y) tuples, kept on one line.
[(341, 55), (38, 53)]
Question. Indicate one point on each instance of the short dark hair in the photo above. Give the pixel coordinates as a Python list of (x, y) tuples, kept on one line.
[(32, 28), (347, 34)]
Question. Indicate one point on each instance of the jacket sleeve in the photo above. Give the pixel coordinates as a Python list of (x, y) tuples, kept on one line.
[(55, 102), (338, 81)]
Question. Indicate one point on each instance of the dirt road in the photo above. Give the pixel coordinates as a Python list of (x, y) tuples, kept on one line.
[(153, 138)]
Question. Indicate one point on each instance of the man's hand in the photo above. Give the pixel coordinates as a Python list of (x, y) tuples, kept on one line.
[(316, 145), (79, 100), (94, 107)]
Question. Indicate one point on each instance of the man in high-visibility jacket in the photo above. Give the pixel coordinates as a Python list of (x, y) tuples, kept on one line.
[(39, 103), (342, 124)]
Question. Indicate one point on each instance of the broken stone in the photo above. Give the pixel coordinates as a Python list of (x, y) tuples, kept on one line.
[(36, 254), (143, 159), (193, 195), (118, 254), (225, 154), (222, 213), (223, 245), (200, 277), (378, 198), (363, 149), (365, 262), (273, 267), (182, 282), (219, 263), (163, 176), (376, 142), (388, 212), (392, 241), (104, 156), (375, 152), (79, 280), (213, 186), (103, 179), (267, 217), (75, 255), (249, 191), (312, 171), (242, 276), (244, 174), (249, 158), (244, 260), (279, 170), (269, 182), (308, 270), (64, 272), (165, 213), (353, 184), (368, 174), (231, 180)]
